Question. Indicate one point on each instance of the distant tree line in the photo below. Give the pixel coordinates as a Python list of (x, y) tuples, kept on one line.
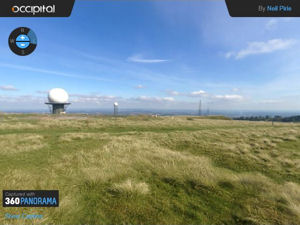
[(270, 118)]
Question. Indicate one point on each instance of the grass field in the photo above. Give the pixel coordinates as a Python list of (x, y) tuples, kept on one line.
[(145, 170)]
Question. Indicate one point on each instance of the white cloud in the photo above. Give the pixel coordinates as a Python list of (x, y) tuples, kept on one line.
[(141, 59), (271, 101), (139, 86), (170, 99), (229, 55), (198, 93), (191, 94), (229, 97), (155, 99), (272, 23), (173, 93), (107, 99), (42, 92), (256, 48), (8, 88), (97, 99), (22, 99)]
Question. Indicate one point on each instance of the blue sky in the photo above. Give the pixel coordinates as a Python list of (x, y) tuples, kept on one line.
[(155, 54)]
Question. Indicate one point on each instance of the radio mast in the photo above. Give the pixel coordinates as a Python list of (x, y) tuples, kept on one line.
[(200, 108)]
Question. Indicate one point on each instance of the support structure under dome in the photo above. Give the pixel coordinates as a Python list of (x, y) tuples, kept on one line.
[(57, 108)]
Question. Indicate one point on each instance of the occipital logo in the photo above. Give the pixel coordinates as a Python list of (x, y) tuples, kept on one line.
[(33, 9)]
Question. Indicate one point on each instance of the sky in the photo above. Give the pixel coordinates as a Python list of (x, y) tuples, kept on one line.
[(154, 55)]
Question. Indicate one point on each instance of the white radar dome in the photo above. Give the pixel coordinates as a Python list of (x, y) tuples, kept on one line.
[(58, 95), (116, 104)]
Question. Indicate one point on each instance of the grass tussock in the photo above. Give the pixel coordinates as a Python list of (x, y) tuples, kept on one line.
[(20, 143), (131, 187), (291, 193)]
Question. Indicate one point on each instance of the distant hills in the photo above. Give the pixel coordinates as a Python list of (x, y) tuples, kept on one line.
[(295, 119)]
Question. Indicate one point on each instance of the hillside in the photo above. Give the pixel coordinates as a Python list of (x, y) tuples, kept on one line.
[(146, 170)]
